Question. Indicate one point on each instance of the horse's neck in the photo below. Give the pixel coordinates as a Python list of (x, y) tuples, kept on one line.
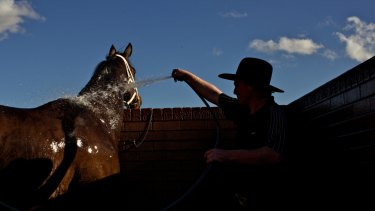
[(103, 94), (106, 105)]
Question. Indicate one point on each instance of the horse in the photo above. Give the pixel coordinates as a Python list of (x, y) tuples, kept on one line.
[(68, 142)]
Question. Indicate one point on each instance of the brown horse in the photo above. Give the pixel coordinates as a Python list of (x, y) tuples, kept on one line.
[(45, 151)]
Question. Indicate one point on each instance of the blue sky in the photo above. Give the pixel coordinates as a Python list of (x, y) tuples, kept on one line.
[(49, 49)]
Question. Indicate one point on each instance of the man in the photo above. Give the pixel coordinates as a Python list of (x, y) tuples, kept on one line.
[(250, 169)]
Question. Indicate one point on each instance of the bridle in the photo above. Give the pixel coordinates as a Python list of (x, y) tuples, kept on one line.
[(130, 80), (135, 143)]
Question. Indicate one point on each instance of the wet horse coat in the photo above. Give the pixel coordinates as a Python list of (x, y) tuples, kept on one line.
[(45, 151)]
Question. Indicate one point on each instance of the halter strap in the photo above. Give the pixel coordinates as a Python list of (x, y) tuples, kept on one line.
[(130, 80)]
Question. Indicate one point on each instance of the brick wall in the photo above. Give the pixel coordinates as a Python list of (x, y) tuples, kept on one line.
[(339, 141), (170, 159), (342, 114)]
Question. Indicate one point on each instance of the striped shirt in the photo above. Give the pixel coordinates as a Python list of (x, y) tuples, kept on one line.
[(266, 127)]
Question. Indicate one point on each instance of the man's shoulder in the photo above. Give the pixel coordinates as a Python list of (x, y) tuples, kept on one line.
[(279, 108)]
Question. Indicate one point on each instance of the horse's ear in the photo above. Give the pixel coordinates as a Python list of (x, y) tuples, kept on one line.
[(112, 51), (128, 50)]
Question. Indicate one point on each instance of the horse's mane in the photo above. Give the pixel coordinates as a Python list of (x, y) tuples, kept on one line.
[(103, 74)]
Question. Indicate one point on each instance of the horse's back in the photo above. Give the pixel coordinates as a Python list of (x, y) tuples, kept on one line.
[(58, 140), (73, 141)]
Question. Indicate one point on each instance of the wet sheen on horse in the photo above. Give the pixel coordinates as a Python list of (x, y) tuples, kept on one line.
[(69, 142)]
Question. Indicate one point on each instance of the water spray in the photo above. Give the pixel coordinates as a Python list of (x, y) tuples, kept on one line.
[(149, 81)]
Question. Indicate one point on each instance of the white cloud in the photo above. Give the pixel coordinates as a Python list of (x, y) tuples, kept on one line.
[(234, 14), (360, 45), (264, 46), (329, 54), (12, 15), (289, 45)]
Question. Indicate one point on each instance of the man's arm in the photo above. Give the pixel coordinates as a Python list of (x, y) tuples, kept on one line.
[(202, 87)]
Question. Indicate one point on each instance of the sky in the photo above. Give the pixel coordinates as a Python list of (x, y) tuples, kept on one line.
[(49, 49)]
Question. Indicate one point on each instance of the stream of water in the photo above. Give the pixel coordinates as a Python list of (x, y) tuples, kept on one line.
[(147, 82)]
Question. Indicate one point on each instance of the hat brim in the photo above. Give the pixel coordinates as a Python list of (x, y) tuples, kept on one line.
[(232, 77), (275, 89), (228, 76)]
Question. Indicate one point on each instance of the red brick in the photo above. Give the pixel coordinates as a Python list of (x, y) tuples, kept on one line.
[(166, 125), (167, 114), (146, 112), (127, 114), (157, 114), (136, 115), (135, 126)]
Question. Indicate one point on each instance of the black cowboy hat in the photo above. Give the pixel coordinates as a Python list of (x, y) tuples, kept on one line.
[(253, 71)]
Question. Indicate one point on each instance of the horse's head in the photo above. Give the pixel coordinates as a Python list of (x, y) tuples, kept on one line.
[(131, 97), (113, 82)]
